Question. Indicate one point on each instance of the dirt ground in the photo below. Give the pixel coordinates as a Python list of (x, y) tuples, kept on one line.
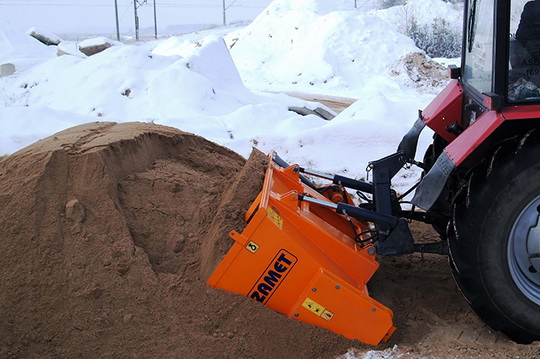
[(432, 317), (108, 232)]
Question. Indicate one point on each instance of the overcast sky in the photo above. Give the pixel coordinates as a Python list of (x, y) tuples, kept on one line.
[(98, 16)]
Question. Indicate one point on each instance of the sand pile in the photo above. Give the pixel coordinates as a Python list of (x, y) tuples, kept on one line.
[(108, 232)]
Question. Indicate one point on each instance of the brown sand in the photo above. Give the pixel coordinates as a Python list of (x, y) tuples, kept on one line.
[(108, 231)]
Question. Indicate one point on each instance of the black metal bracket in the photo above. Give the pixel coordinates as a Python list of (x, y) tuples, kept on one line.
[(383, 172), (394, 236), (399, 241)]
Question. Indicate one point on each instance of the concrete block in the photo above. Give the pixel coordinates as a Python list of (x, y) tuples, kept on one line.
[(7, 69)]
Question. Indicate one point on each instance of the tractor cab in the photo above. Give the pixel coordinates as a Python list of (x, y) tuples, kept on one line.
[(501, 52), (497, 85)]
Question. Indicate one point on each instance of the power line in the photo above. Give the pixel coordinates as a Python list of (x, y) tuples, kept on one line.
[(63, 5), (212, 3), (120, 8), (110, 6)]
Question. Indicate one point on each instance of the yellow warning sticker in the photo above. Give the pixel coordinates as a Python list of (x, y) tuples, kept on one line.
[(313, 306), (252, 247), (274, 217), (327, 315)]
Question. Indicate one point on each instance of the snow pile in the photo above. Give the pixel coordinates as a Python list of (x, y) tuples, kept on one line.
[(208, 57), (130, 83), (369, 129), (311, 44), (95, 45), (21, 48), (308, 45), (43, 36), (423, 13)]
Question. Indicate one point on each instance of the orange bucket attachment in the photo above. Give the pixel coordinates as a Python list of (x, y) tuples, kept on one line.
[(301, 259)]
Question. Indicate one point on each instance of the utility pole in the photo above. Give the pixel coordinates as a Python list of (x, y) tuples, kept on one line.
[(136, 5), (136, 20), (155, 21), (224, 14), (225, 8), (117, 24)]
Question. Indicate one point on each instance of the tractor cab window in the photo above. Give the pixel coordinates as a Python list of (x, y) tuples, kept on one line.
[(524, 60), (478, 62)]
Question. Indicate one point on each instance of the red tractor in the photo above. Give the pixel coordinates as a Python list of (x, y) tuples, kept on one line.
[(480, 191), (483, 169)]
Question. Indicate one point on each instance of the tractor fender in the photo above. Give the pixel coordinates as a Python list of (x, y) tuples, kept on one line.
[(453, 155), (441, 113), (445, 111)]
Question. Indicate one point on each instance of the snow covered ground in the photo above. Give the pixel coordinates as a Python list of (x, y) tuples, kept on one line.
[(217, 84)]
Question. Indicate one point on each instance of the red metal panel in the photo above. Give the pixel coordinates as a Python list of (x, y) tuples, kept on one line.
[(521, 112), (473, 136), (444, 110)]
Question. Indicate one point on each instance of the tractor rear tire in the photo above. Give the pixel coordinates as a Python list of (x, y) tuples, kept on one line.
[(494, 239)]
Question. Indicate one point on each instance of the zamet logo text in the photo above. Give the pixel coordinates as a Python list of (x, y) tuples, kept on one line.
[(273, 276)]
